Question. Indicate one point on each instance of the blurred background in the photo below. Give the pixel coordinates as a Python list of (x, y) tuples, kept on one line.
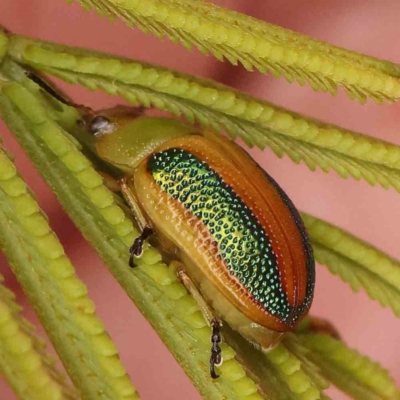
[(366, 26)]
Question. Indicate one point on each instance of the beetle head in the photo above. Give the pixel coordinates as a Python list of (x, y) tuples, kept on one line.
[(124, 137)]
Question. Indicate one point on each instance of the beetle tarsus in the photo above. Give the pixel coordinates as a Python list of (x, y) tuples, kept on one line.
[(136, 249), (216, 358)]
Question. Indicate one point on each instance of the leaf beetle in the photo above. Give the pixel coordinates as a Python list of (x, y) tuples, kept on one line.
[(243, 249)]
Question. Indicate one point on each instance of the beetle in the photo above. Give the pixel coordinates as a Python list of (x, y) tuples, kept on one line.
[(244, 252)]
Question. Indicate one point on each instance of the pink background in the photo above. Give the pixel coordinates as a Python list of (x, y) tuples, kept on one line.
[(371, 213)]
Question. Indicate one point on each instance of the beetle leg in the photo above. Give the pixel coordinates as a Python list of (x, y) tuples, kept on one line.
[(110, 182), (216, 358), (136, 250), (55, 93), (133, 203), (208, 314)]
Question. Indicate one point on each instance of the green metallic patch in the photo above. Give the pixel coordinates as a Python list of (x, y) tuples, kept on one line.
[(243, 243)]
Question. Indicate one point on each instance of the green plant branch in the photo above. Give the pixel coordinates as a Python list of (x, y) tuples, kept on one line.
[(378, 286), (24, 362), (350, 371), (356, 262), (255, 121), (290, 367), (257, 44), (281, 365), (386, 165), (58, 296), (336, 242), (295, 347), (160, 285), (154, 288)]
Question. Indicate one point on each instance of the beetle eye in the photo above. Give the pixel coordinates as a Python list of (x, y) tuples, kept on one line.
[(99, 124)]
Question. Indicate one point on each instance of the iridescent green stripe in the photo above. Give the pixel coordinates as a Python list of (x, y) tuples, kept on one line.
[(243, 243)]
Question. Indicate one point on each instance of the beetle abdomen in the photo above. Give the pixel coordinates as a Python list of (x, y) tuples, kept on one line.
[(218, 207)]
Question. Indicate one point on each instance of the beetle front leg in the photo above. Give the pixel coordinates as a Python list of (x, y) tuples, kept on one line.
[(136, 250), (208, 314)]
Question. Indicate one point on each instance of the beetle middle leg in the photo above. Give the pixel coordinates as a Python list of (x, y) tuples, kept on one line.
[(216, 357), (208, 314), (136, 250)]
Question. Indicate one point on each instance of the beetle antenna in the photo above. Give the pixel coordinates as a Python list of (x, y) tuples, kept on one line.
[(33, 76), (216, 358), (48, 88)]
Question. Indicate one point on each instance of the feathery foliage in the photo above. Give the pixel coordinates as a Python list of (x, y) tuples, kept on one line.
[(356, 262), (256, 44), (222, 108), (153, 287), (59, 297), (302, 366), (350, 371), (23, 358)]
